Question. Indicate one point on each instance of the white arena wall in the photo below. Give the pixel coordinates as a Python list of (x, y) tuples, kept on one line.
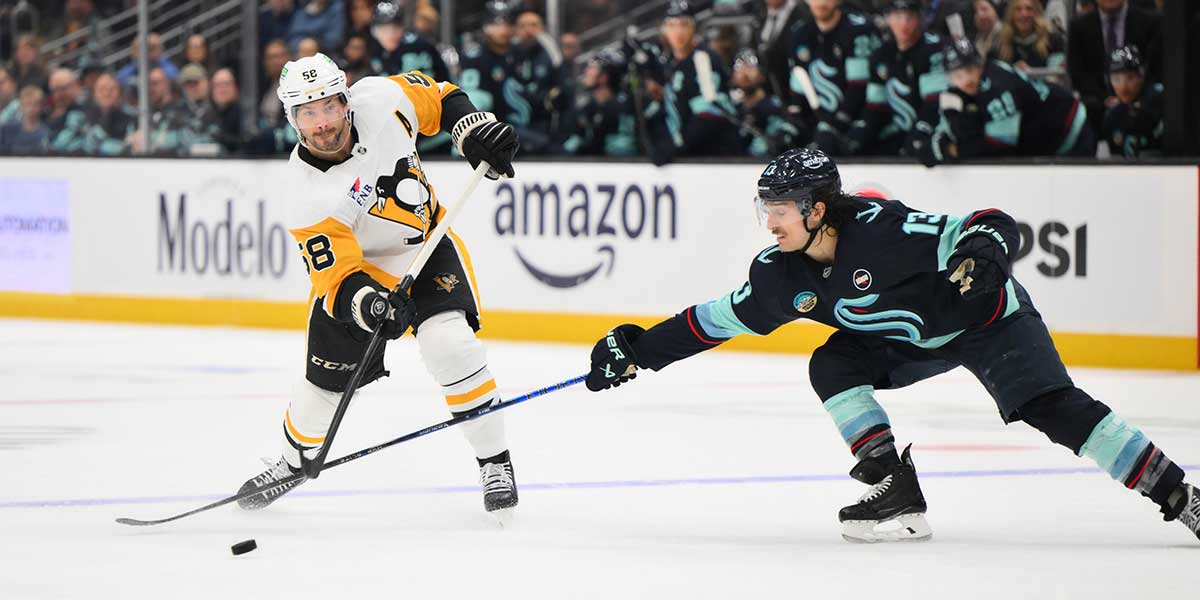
[(1109, 253)]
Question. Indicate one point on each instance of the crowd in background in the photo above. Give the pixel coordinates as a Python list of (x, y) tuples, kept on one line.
[(853, 77)]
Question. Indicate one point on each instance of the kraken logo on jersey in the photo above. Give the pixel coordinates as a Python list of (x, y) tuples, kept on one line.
[(904, 115), (405, 196), (829, 93), (853, 314)]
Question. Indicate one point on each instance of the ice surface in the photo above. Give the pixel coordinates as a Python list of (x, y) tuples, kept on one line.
[(719, 477)]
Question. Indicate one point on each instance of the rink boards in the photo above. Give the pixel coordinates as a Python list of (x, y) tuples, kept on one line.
[(1109, 253)]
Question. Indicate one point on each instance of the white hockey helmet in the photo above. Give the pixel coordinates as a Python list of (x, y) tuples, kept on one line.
[(310, 78)]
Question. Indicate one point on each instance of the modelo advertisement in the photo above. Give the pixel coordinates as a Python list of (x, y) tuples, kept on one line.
[(1106, 249)]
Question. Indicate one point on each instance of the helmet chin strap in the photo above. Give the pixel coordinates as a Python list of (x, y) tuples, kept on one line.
[(812, 233)]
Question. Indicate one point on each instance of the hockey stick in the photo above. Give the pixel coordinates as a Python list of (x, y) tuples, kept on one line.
[(312, 468), (464, 417)]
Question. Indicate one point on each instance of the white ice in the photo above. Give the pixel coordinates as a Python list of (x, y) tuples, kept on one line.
[(101, 421)]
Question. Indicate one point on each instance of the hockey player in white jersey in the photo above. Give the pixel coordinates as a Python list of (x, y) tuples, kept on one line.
[(360, 207)]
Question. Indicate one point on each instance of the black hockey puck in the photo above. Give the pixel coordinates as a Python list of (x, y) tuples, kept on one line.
[(244, 547)]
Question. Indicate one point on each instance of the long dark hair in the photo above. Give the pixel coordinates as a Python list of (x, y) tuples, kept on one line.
[(840, 209)]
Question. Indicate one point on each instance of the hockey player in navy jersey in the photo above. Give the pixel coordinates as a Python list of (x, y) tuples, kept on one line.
[(699, 111), (993, 109), (829, 62), (912, 295), (907, 72), (1133, 126)]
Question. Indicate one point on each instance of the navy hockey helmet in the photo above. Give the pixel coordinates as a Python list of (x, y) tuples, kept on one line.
[(1125, 59), (909, 5), (389, 11), (501, 11), (961, 53), (680, 9), (800, 175)]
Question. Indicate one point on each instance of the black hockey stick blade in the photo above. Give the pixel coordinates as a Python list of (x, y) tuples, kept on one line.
[(218, 503)]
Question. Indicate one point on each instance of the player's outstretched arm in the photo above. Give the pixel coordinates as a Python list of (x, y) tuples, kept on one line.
[(753, 309)]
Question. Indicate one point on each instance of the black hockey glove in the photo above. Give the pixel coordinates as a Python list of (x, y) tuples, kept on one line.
[(393, 312), (494, 142), (979, 264), (613, 358)]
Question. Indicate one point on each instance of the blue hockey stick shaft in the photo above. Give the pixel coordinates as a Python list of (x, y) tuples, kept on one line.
[(466, 416)]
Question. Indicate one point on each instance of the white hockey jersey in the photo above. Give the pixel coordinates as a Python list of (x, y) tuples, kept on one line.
[(372, 211)]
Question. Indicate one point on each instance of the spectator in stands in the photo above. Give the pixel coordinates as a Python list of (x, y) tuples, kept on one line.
[(275, 135), (360, 16), (1133, 126), (128, 74), (987, 27), (569, 45), (196, 101), (425, 20), (1093, 37), (169, 135), (356, 58), (1027, 40), (324, 20), (228, 111), (767, 130), (399, 51), (110, 126), (29, 136), (724, 43), (774, 41), (10, 106), (27, 66), (67, 116), (195, 51), (274, 21), (940, 13), (308, 47), (79, 15), (275, 56)]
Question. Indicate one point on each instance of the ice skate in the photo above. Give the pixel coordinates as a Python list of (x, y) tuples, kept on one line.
[(1185, 508), (893, 510), (275, 471), (499, 487)]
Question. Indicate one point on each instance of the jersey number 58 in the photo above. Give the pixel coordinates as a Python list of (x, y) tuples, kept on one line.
[(317, 253)]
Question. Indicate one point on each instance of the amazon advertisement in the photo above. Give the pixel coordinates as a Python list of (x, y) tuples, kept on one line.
[(1106, 250)]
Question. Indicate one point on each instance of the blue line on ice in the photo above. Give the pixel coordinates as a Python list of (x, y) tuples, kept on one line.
[(563, 485)]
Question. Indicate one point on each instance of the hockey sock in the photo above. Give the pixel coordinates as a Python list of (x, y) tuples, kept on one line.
[(863, 424), (1132, 459), (306, 421), (458, 362)]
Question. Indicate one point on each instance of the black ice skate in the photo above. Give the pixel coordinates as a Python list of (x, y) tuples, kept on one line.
[(275, 471), (892, 510), (499, 485), (1185, 507)]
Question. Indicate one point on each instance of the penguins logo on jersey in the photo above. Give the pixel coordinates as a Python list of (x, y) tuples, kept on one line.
[(445, 281), (393, 193)]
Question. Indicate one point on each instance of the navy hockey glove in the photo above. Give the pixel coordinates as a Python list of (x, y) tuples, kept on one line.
[(392, 312), (613, 359), (480, 137), (979, 264)]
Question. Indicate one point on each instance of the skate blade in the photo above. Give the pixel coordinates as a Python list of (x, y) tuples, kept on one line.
[(504, 517), (904, 528)]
